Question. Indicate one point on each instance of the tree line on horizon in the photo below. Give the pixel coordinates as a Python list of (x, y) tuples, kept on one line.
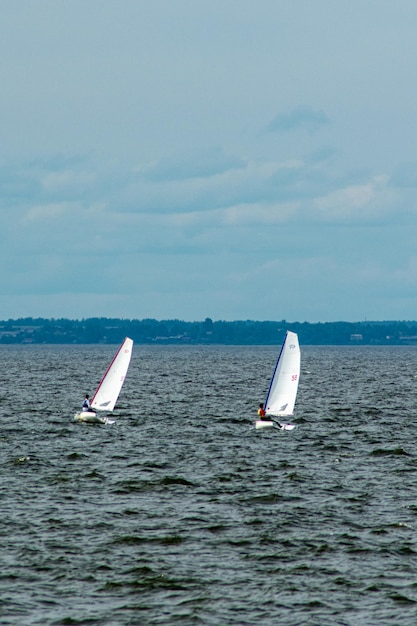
[(151, 331)]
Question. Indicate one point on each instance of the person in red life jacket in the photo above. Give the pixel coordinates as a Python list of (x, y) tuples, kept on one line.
[(262, 416), (261, 411)]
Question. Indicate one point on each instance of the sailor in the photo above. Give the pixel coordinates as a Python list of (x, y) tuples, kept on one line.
[(261, 411), (262, 415), (86, 404)]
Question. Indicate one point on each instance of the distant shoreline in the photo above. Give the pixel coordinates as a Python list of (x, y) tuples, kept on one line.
[(207, 332)]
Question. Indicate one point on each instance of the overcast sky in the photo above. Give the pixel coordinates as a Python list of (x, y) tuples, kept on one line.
[(232, 159)]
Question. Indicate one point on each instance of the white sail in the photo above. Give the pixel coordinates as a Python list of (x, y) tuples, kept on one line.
[(108, 390), (282, 392)]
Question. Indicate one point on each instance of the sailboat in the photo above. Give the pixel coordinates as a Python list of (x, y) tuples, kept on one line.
[(282, 392), (107, 393)]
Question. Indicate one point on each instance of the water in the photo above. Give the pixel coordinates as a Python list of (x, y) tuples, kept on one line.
[(180, 513)]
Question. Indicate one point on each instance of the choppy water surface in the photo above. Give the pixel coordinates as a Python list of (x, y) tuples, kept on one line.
[(180, 513)]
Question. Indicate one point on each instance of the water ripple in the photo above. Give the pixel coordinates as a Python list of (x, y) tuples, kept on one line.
[(180, 513)]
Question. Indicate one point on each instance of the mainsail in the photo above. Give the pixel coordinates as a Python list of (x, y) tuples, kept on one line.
[(282, 393), (108, 390)]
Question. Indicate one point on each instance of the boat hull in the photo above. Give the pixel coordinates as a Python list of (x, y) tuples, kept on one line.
[(260, 424), (91, 418)]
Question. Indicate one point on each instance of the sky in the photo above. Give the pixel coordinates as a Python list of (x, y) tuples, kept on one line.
[(231, 159)]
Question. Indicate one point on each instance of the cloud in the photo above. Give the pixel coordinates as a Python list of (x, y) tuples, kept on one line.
[(300, 118), (248, 182), (258, 214), (372, 200), (67, 180), (199, 164), (47, 212)]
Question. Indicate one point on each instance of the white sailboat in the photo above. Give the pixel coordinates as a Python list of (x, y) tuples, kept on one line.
[(108, 391), (282, 392)]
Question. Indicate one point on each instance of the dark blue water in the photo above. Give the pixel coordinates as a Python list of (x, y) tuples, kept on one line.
[(180, 513)]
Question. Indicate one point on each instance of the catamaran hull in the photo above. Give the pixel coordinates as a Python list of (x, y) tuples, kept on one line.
[(91, 418), (270, 424)]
